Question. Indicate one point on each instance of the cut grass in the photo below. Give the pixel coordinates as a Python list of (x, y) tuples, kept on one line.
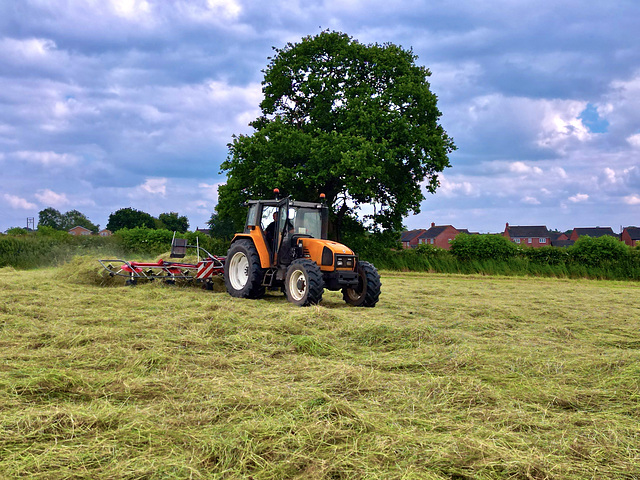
[(449, 377)]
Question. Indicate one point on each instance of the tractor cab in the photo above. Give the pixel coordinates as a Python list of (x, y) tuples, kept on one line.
[(282, 222)]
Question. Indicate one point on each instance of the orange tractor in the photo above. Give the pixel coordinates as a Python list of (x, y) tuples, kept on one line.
[(284, 246)]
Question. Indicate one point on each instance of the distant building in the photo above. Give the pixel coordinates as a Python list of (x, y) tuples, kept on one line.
[(105, 233), (528, 235), (78, 230), (409, 239), (631, 236), (593, 232), (206, 231), (439, 236)]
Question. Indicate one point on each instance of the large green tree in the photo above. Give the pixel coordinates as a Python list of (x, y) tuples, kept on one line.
[(50, 217), (174, 222), (130, 218), (356, 122)]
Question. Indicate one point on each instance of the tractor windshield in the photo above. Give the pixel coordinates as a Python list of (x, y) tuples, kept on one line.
[(306, 221)]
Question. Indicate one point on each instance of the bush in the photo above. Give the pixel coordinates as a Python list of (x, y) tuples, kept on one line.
[(483, 247), (598, 252)]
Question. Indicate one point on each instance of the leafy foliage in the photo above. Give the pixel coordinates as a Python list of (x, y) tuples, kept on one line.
[(52, 218), (599, 251), (355, 122), (222, 227), (129, 218), (174, 222), (481, 247)]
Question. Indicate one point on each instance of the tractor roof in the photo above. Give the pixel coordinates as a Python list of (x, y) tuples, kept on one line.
[(292, 203)]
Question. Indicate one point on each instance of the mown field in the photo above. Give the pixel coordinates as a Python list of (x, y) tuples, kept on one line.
[(449, 377)]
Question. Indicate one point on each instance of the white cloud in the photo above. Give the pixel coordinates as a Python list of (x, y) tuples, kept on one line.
[(210, 191), (17, 202), (523, 168), (632, 199), (451, 189), (228, 9), (130, 9), (52, 199), (531, 201), (27, 49), (156, 186), (579, 197), (634, 140), (48, 159)]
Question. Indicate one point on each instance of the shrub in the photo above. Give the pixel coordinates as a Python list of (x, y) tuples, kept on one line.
[(483, 247), (598, 252)]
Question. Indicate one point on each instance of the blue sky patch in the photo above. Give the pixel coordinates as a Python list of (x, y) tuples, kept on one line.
[(592, 120)]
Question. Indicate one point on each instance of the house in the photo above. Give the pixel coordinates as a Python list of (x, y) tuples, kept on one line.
[(206, 231), (78, 230), (592, 232), (439, 236), (409, 239), (528, 235), (105, 233), (631, 236), (559, 239)]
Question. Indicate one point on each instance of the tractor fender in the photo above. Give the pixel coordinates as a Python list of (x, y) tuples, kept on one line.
[(255, 236)]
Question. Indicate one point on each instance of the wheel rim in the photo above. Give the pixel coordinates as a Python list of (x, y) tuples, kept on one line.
[(239, 271), (297, 285)]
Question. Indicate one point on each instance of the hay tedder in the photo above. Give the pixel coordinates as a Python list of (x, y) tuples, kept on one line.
[(203, 271)]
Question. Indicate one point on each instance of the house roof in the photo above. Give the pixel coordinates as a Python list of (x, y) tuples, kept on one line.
[(595, 231), (516, 231), (634, 232), (79, 227), (434, 231), (411, 235)]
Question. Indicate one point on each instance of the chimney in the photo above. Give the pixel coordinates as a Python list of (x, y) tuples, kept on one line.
[(507, 225), (433, 224)]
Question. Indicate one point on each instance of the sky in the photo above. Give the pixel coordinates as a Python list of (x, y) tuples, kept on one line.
[(106, 104)]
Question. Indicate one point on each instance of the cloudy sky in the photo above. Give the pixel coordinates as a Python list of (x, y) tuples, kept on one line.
[(107, 104)]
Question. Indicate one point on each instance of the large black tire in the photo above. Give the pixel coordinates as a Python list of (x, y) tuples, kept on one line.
[(242, 271), (303, 283), (367, 293)]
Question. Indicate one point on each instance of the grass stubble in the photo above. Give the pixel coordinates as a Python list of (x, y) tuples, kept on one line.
[(449, 377)]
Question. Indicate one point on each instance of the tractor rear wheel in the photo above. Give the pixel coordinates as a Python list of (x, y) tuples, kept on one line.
[(367, 293), (303, 283), (242, 271)]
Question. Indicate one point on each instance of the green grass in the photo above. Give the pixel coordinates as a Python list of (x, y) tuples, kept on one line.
[(449, 377)]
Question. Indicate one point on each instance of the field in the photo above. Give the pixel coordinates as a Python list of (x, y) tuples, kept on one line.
[(449, 377)]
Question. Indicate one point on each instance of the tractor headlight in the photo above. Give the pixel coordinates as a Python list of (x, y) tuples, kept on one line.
[(345, 261)]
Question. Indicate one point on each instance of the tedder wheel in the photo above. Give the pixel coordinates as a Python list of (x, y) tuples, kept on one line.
[(367, 293), (242, 272), (303, 284)]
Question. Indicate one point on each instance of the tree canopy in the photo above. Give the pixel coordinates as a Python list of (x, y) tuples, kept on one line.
[(174, 222), (130, 218), (356, 122), (50, 217)]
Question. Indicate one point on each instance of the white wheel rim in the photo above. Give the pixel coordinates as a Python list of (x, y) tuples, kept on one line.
[(297, 285), (239, 271)]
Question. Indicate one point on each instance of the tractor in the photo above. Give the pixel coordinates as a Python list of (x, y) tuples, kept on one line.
[(284, 246)]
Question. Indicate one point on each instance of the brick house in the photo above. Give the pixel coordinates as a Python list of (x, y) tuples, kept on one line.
[(105, 233), (528, 235), (592, 232), (631, 236), (409, 239), (78, 230), (439, 236)]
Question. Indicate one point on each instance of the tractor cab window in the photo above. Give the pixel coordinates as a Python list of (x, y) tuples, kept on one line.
[(268, 223), (306, 221)]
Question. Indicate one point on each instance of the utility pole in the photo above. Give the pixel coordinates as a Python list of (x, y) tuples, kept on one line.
[(31, 223)]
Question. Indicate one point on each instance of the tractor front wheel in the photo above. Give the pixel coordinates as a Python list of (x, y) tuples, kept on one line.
[(303, 283), (367, 293), (242, 271)]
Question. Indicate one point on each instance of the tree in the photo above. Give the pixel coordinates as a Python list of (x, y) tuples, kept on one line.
[(172, 221), (74, 218), (129, 218), (50, 217), (355, 122), (222, 227)]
